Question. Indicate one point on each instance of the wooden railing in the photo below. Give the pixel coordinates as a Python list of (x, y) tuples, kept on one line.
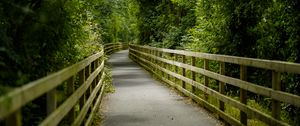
[(161, 61), (110, 47), (84, 89)]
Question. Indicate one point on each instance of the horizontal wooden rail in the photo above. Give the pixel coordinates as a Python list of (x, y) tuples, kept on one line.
[(112, 47), (258, 63), (141, 55), (88, 94)]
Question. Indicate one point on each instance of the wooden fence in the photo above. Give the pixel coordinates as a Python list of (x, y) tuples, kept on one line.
[(110, 47), (84, 90), (158, 61)]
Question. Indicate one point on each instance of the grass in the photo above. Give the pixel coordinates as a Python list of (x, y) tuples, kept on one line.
[(98, 117), (108, 79)]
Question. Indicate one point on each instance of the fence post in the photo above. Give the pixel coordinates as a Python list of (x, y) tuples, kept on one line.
[(70, 90), (114, 47), (148, 58), (243, 94), (14, 119), (99, 61), (206, 67), (168, 67), (87, 74), (183, 71), (152, 59), (157, 62), (176, 68), (51, 101), (222, 85), (160, 55), (93, 68), (96, 66), (276, 85), (193, 74), (81, 82), (164, 65)]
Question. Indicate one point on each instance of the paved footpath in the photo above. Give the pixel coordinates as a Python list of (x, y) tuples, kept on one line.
[(140, 100)]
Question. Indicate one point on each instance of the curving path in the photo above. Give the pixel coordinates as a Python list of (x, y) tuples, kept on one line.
[(140, 100)]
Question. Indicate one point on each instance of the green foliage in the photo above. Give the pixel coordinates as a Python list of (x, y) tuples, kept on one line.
[(163, 23), (108, 80), (118, 20)]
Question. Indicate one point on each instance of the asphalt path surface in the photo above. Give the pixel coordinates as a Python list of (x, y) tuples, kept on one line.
[(140, 100)]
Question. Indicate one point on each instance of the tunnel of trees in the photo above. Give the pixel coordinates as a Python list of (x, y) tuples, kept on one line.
[(38, 37)]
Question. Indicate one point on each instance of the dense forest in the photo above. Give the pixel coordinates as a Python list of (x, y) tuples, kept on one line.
[(38, 37)]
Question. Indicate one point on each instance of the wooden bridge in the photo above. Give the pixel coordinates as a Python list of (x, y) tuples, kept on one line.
[(177, 68)]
